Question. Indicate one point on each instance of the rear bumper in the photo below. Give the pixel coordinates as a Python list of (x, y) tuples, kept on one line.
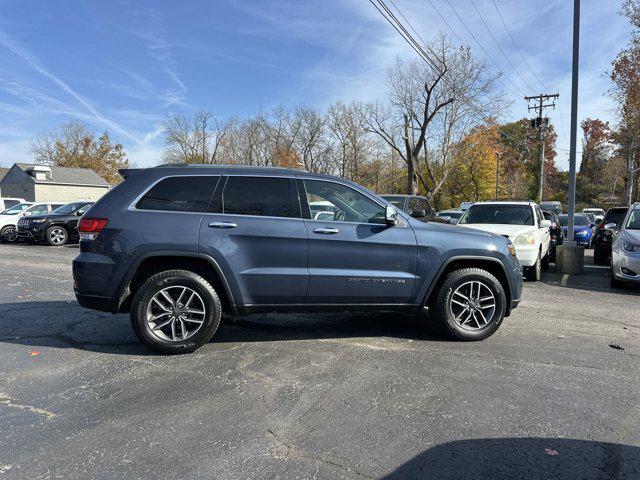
[(96, 302)]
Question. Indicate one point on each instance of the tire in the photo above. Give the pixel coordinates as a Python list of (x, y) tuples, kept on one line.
[(57, 236), (599, 257), (545, 261), (446, 309), (170, 338), (615, 283), (534, 273), (9, 234)]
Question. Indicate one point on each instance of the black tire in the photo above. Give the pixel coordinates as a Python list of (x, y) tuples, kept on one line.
[(175, 278), (57, 236), (441, 309), (534, 273), (545, 262), (599, 258), (9, 234)]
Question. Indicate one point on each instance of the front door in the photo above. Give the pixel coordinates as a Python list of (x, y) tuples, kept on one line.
[(354, 258)]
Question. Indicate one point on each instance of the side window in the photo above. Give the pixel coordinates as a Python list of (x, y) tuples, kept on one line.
[(38, 209), (539, 215), (261, 196), (339, 203), (417, 203), (179, 194)]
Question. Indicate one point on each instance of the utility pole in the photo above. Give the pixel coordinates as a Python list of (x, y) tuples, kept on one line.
[(203, 119), (571, 256), (539, 123)]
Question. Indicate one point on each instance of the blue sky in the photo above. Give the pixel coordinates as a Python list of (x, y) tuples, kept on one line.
[(123, 66)]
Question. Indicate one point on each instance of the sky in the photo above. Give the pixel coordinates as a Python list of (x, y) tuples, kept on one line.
[(123, 66)]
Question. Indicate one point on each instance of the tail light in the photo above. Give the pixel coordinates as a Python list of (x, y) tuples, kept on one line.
[(89, 228)]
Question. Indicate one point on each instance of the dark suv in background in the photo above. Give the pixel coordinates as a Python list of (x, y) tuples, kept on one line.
[(178, 245), (56, 228), (604, 235), (416, 206)]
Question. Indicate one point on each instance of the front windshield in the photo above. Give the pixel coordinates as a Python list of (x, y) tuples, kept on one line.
[(16, 209), (499, 214), (578, 220), (634, 221), (69, 208)]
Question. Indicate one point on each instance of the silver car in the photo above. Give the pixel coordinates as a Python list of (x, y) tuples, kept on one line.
[(625, 250)]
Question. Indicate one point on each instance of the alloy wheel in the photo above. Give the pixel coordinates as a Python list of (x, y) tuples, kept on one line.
[(57, 236), (473, 305), (10, 234), (175, 313)]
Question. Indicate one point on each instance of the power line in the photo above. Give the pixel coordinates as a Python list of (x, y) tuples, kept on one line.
[(495, 40), (400, 28), (480, 45), (515, 44)]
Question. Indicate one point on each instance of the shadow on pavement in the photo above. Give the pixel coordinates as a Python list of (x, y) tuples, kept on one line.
[(64, 324), (523, 458)]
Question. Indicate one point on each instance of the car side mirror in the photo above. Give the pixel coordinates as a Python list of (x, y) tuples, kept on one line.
[(79, 213), (418, 213), (545, 224), (446, 218), (390, 216)]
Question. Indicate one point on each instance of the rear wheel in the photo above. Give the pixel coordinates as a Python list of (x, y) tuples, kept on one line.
[(176, 311), (534, 273), (57, 236), (9, 234), (470, 305)]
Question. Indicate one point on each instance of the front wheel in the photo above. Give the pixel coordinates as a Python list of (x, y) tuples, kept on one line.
[(57, 236), (176, 311), (470, 305)]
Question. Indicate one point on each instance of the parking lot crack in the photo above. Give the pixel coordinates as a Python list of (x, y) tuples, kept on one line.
[(291, 451), (11, 403)]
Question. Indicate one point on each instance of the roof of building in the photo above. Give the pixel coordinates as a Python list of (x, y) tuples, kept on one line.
[(3, 172), (67, 175)]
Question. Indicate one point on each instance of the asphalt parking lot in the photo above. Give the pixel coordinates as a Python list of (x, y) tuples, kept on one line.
[(318, 396)]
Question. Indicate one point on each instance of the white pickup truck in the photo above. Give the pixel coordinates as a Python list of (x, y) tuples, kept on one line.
[(522, 223)]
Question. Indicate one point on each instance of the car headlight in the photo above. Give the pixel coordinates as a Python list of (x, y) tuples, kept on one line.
[(630, 247), (526, 239), (581, 233), (39, 220)]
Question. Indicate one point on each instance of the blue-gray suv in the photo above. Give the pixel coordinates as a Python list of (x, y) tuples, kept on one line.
[(177, 246)]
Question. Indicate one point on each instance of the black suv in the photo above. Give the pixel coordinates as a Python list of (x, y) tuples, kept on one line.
[(416, 206), (604, 235), (56, 228), (178, 245)]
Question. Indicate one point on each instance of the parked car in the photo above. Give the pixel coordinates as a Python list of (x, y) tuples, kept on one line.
[(178, 245), (520, 222), (625, 249), (8, 202), (556, 235), (56, 228), (604, 234), (10, 217), (582, 228), (452, 215), (597, 212), (551, 206), (416, 206)]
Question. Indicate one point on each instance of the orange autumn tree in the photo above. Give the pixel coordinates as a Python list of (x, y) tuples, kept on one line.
[(476, 158)]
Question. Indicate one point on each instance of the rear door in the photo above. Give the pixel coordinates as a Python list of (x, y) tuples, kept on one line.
[(254, 232), (354, 258)]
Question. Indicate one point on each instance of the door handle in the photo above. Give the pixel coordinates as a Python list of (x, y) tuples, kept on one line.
[(222, 225), (325, 231)]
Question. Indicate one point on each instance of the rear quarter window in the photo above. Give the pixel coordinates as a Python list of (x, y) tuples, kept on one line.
[(180, 194)]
